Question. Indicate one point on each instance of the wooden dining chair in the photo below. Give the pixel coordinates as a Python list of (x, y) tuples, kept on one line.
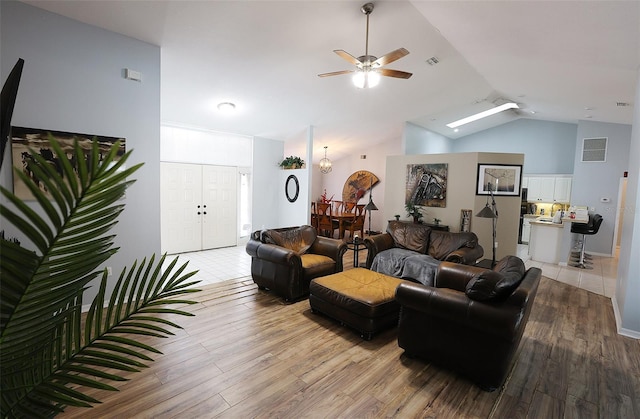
[(348, 206), (336, 207), (324, 216), (356, 223)]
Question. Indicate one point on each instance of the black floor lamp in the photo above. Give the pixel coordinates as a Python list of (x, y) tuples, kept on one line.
[(370, 206), (491, 212)]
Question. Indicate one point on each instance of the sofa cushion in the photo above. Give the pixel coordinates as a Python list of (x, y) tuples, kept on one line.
[(497, 284), (409, 236), (297, 239), (442, 243)]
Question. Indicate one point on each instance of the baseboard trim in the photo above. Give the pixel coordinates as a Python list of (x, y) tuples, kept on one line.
[(621, 330)]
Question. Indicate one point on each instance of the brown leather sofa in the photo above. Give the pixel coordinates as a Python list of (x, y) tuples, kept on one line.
[(285, 260), (413, 251), (471, 321)]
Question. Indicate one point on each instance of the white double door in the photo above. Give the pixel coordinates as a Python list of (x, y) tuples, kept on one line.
[(198, 207)]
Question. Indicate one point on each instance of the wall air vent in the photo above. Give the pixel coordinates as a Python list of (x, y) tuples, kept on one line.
[(594, 149)]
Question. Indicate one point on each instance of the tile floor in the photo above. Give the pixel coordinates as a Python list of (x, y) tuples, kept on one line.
[(217, 265), (600, 280), (233, 262)]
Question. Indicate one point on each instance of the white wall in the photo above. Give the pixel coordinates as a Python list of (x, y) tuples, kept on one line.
[(267, 188), (418, 140), (73, 81), (190, 145), (595, 180), (549, 147), (627, 298)]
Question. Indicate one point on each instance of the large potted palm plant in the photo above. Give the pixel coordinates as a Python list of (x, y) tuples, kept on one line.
[(51, 352)]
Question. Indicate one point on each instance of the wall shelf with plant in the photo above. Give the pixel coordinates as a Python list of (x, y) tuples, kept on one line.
[(292, 162)]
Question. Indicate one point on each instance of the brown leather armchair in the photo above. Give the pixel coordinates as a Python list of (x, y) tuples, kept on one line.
[(285, 260), (471, 321)]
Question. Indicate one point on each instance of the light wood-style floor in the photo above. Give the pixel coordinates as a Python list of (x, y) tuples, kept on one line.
[(247, 354)]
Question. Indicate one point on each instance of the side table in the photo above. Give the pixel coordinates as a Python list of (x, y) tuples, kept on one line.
[(356, 244)]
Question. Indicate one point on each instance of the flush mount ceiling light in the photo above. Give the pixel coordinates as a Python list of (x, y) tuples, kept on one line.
[(325, 163), (484, 114), (226, 107)]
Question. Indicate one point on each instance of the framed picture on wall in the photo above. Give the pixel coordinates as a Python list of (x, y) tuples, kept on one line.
[(465, 220), (25, 139), (502, 179)]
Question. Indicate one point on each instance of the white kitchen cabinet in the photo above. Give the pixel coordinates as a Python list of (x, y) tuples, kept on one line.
[(546, 242), (548, 188), (541, 189), (526, 229), (562, 190)]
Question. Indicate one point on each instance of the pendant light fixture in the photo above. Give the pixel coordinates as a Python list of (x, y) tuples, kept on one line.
[(325, 163)]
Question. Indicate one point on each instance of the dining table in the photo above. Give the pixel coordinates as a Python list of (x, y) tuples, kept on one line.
[(339, 217)]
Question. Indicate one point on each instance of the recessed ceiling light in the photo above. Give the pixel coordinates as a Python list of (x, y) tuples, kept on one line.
[(226, 107)]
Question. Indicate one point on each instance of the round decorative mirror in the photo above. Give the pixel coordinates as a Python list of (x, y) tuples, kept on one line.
[(292, 188)]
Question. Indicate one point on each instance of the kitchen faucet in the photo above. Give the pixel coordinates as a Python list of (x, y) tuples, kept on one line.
[(554, 204)]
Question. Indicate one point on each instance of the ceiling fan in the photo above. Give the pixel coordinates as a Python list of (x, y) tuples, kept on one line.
[(369, 68)]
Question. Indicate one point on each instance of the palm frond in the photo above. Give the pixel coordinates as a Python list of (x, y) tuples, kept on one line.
[(48, 355)]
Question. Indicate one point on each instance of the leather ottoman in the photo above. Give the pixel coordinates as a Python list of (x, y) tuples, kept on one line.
[(359, 298)]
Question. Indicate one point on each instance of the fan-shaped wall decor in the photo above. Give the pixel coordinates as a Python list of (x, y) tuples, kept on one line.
[(357, 185)]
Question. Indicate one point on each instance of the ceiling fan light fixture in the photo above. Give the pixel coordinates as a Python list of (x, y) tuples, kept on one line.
[(364, 79), (484, 114)]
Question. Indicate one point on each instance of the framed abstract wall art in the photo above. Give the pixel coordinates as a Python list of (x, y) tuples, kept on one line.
[(427, 184)]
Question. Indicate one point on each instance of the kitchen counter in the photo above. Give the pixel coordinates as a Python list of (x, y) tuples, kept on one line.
[(546, 221), (549, 241)]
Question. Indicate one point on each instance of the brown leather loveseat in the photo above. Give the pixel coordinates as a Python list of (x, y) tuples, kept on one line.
[(471, 321), (414, 251), (285, 260)]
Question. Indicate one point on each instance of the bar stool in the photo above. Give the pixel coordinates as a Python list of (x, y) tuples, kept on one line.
[(588, 229)]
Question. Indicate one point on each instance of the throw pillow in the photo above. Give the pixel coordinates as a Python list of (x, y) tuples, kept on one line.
[(298, 239)]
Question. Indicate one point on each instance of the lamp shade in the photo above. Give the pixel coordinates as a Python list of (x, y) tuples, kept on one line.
[(486, 212), (371, 207)]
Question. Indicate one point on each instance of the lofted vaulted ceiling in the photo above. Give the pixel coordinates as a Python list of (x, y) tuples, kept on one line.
[(563, 60)]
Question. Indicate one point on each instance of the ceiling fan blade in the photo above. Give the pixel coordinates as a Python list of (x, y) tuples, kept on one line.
[(335, 73), (395, 73), (390, 57), (350, 58)]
